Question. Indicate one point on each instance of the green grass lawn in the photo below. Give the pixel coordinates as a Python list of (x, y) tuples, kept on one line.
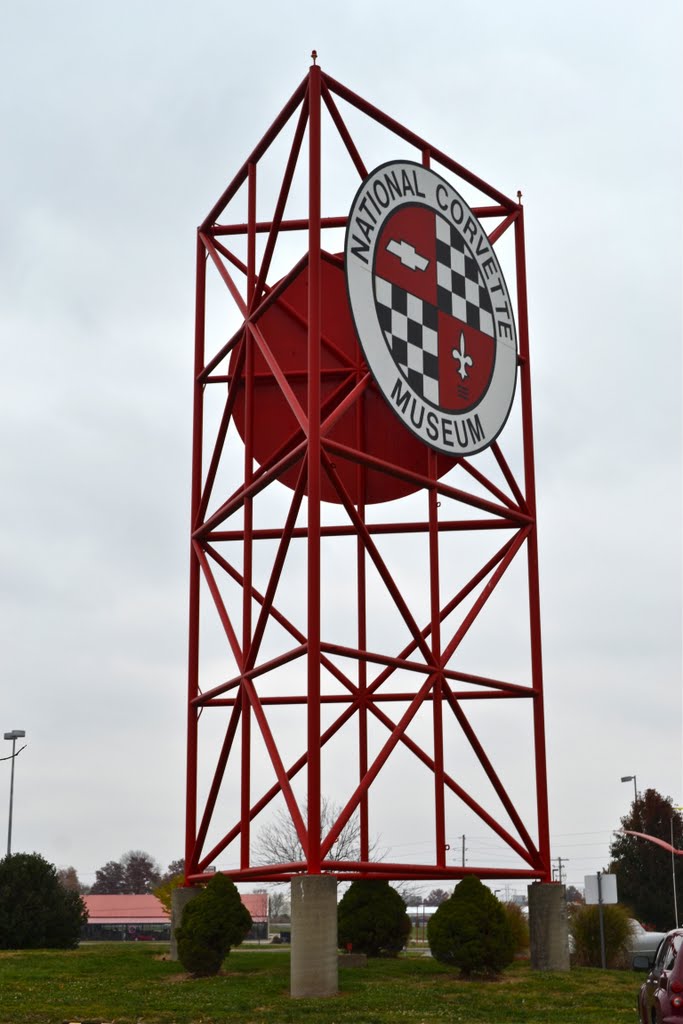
[(131, 984)]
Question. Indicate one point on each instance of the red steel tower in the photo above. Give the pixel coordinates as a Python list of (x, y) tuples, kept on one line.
[(341, 567)]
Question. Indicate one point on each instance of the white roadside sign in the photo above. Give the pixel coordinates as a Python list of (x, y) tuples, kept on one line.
[(604, 892)]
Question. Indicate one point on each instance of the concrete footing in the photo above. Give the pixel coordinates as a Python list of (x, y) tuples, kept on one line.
[(180, 897), (314, 969), (548, 927)]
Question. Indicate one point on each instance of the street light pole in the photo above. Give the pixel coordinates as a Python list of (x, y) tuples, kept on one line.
[(14, 735), (632, 778), (673, 872)]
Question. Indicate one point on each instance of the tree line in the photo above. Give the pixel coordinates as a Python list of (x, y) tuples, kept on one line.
[(135, 873)]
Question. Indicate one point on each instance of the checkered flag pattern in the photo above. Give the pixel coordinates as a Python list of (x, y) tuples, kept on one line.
[(459, 288), (410, 327)]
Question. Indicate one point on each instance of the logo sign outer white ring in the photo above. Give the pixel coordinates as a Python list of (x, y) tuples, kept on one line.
[(386, 191)]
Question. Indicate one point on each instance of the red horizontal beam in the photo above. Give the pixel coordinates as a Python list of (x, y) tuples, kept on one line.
[(347, 698), (301, 224), (425, 870), (350, 871), (445, 526), (262, 226)]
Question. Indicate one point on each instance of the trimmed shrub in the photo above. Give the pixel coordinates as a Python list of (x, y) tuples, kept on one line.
[(584, 927), (36, 911), (212, 923), (519, 926), (371, 917), (471, 931)]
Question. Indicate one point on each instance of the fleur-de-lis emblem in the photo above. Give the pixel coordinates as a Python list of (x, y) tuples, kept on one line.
[(463, 359)]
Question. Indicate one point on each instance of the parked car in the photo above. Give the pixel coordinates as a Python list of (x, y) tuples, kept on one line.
[(660, 1000), (643, 942)]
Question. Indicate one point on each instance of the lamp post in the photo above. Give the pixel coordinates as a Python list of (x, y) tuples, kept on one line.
[(632, 778), (676, 807), (14, 735), (673, 872)]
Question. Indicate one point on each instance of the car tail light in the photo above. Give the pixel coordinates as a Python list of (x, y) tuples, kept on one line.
[(677, 1002), (677, 986)]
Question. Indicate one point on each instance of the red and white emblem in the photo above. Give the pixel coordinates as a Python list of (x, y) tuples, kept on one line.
[(431, 308)]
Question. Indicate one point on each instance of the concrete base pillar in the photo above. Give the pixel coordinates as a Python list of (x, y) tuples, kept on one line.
[(548, 927), (180, 897), (314, 969)]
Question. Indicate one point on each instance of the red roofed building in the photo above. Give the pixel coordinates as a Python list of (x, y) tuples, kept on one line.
[(143, 918), (257, 905)]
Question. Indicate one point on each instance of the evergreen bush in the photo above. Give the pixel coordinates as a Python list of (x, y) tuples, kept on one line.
[(212, 923), (471, 931), (36, 911), (372, 919)]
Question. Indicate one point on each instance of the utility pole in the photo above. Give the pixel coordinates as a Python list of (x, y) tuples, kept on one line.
[(673, 873), (463, 851), (560, 862)]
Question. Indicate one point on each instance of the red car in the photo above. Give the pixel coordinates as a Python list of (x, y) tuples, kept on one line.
[(661, 995)]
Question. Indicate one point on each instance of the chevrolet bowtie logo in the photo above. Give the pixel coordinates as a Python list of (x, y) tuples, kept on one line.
[(407, 255)]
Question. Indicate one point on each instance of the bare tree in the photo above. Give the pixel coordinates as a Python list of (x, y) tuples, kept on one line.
[(279, 906), (409, 893), (436, 897), (278, 842)]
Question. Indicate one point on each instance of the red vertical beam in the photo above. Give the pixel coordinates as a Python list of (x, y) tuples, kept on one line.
[(313, 855), (251, 234), (248, 546), (195, 577), (361, 583), (532, 553), (437, 709)]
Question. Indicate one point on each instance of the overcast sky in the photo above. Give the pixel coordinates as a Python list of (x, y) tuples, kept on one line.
[(122, 124)]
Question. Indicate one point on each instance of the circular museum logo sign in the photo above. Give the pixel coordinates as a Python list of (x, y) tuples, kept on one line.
[(431, 308)]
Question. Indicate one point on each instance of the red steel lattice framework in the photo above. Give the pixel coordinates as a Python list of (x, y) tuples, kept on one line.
[(295, 389)]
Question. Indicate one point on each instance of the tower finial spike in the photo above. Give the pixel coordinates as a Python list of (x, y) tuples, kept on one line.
[(314, 55)]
